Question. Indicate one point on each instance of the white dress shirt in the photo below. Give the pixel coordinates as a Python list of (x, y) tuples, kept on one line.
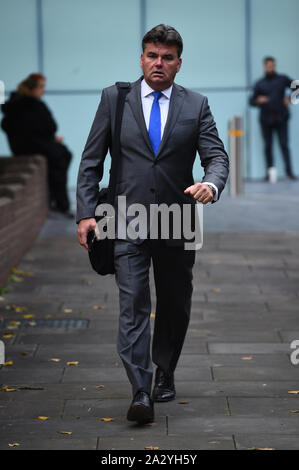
[(147, 99)]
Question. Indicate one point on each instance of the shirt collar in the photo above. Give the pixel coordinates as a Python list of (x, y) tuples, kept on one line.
[(147, 90)]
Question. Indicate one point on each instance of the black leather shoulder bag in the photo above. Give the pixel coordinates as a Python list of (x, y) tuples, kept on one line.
[(101, 252)]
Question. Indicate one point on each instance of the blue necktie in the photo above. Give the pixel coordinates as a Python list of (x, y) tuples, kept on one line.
[(154, 130)]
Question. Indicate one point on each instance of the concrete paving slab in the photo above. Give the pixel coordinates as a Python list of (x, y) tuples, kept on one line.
[(255, 373), (266, 441), (216, 360), (15, 410), (65, 442), (248, 348), (264, 406), (87, 427), (65, 391), (12, 375), (186, 442), (231, 425)]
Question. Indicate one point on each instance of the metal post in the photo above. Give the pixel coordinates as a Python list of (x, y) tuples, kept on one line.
[(235, 148)]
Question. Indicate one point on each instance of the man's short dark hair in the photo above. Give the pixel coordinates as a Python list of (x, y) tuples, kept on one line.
[(165, 35), (269, 59)]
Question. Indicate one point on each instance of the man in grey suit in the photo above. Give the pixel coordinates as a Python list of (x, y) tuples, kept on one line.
[(163, 127)]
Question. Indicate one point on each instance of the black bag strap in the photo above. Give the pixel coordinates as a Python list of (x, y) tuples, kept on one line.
[(123, 90)]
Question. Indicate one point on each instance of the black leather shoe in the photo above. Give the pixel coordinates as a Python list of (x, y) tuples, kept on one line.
[(164, 389), (141, 409)]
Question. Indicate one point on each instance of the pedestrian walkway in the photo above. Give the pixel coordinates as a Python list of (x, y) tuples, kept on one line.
[(234, 379)]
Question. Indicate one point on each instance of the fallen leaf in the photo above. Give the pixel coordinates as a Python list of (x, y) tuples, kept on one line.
[(72, 363), (14, 322), (8, 335), (263, 448), (6, 388), (97, 307), (20, 271), (151, 447), (65, 432), (8, 363), (107, 419), (68, 310), (194, 330), (248, 358), (100, 386), (21, 309), (14, 444), (294, 411), (24, 353), (15, 278), (55, 359), (43, 418), (294, 392), (28, 315), (183, 402)]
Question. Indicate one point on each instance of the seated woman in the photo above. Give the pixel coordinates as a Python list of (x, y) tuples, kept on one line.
[(31, 129)]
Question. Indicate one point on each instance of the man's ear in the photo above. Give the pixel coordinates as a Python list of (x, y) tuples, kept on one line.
[(179, 64)]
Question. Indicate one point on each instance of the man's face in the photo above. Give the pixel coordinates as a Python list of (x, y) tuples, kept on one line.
[(160, 64), (269, 67)]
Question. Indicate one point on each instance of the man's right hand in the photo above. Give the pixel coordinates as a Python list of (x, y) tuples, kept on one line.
[(262, 99), (85, 226)]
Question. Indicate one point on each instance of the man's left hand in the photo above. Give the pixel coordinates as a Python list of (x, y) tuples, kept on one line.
[(200, 192)]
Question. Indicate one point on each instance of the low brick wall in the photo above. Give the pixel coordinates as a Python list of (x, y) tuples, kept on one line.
[(23, 207)]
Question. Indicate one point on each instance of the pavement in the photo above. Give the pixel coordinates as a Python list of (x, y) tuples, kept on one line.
[(64, 386)]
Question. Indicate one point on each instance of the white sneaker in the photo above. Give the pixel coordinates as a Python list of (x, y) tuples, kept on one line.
[(272, 174)]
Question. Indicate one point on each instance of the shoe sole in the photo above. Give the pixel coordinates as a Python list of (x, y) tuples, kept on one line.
[(140, 413), (160, 400)]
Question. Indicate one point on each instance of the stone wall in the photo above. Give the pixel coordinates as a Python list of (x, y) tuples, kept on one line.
[(23, 207)]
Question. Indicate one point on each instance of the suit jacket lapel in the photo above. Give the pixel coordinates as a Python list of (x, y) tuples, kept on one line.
[(134, 100), (176, 101), (175, 104)]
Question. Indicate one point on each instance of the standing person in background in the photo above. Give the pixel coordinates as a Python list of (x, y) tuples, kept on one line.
[(269, 95), (31, 129)]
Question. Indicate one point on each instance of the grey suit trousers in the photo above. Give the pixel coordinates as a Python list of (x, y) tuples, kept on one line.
[(172, 269)]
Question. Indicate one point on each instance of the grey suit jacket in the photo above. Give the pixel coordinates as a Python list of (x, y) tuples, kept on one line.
[(142, 176)]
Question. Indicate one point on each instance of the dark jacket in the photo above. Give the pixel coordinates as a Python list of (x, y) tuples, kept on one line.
[(31, 128), (273, 86)]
